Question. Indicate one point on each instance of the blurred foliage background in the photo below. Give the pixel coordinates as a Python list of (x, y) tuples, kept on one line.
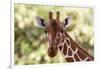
[(31, 43)]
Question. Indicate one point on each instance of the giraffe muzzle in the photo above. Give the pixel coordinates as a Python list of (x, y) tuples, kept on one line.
[(52, 51)]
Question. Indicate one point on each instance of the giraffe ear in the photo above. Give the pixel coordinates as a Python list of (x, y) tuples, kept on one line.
[(41, 22), (67, 21)]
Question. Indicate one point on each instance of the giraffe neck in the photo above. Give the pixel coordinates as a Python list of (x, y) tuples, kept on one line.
[(71, 51)]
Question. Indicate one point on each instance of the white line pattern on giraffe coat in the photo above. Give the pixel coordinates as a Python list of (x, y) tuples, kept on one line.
[(63, 37)]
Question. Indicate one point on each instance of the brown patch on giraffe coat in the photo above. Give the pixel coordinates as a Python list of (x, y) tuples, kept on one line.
[(69, 52), (89, 59), (69, 59), (65, 49), (76, 57), (60, 47), (73, 46), (81, 54), (68, 42)]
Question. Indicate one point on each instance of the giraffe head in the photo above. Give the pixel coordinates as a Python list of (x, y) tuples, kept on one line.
[(52, 27)]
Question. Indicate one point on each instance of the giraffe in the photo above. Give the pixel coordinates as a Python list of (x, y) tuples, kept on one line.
[(59, 40)]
